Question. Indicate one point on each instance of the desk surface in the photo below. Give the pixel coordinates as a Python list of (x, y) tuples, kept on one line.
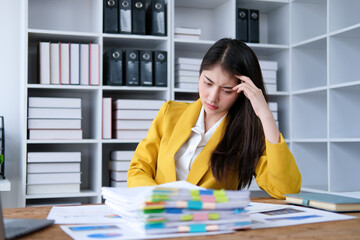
[(345, 229)]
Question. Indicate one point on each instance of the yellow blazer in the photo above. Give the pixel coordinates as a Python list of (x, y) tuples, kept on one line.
[(153, 162)]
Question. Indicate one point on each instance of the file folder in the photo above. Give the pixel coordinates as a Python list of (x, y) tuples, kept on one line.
[(146, 78), (132, 67), (110, 24), (125, 16), (156, 18), (254, 26), (138, 17), (113, 69), (160, 68), (242, 25)]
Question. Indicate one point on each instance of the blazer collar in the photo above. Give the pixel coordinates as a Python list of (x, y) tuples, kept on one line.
[(202, 163), (180, 134)]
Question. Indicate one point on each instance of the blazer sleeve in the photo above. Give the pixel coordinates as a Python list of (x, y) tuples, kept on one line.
[(276, 171), (143, 163)]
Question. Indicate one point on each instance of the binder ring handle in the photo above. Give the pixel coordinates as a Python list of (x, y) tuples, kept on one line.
[(132, 55), (138, 5), (116, 55), (161, 56), (146, 56), (111, 3), (125, 4), (158, 6)]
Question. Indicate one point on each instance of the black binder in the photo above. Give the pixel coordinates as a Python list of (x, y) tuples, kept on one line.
[(254, 26), (242, 24), (113, 67), (125, 16), (156, 18), (132, 67), (160, 68), (146, 62), (138, 17), (110, 24)]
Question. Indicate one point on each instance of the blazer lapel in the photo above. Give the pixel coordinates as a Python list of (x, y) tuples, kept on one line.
[(180, 134), (201, 163)]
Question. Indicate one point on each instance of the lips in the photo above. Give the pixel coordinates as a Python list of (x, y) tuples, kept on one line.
[(211, 107)]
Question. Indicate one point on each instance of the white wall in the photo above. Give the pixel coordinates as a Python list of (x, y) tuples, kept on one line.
[(11, 96)]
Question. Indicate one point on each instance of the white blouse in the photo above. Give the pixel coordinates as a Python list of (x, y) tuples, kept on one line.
[(188, 152)]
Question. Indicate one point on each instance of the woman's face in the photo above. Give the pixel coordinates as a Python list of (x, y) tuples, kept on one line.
[(215, 90)]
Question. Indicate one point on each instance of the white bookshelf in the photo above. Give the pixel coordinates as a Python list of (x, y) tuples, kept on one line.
[(316, 45)]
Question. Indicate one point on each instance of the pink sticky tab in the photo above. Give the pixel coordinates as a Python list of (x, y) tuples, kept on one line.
[(208, 198), (200, 216)]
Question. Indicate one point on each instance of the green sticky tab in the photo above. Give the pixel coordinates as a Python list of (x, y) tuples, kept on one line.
[(196, 198), (221, 199), (220, 193), (214, 216), (1, 159), (150, 211), (160, 197), (187, 217), (194, 192)]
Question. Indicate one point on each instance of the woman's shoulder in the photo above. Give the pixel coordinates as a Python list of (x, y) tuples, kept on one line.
[(176, 107)]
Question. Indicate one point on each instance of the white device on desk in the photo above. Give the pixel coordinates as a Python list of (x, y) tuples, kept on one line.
[(11, 228)]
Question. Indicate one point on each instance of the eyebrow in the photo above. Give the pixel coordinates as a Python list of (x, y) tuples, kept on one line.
[(221, 86)]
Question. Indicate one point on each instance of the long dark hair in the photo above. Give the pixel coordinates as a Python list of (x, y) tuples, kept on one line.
[(243, 141)]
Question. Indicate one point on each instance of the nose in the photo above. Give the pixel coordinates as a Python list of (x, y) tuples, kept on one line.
[(214, 95)]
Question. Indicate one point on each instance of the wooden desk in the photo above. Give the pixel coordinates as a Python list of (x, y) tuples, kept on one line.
[(345, 229)]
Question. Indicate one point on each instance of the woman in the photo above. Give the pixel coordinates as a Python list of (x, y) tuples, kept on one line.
[(223, 139)]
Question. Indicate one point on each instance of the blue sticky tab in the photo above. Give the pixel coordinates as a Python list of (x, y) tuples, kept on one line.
[(206, 192), (173, 210), (305, 202), (194, 204), (239, 210), (154, 226), (197, 228)]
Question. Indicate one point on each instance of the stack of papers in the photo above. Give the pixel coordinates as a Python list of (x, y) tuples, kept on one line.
[(163, 210)]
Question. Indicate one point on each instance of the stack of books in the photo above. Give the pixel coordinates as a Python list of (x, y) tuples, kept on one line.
[(187, 72), (274, 109), (187, 33), (53, 172), (269, 71), (118, 166), (69, 63), (54, 118), (132, 118), (159, 210)]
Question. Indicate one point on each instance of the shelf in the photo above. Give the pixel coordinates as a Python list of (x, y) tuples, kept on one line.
[(311, 156), (344, 120), (344, 57), (212, 17), (344, 167), (309, 115), (83, 193), (37, 35), (274, 20), (56, 15), (135, 41), (309, 65), (308, 19), (343, 15)]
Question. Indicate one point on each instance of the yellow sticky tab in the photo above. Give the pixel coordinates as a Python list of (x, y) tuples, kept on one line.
[(214, 216), (194, 192), (188, 217), (221, 199), (196, 198), (220, 193)]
